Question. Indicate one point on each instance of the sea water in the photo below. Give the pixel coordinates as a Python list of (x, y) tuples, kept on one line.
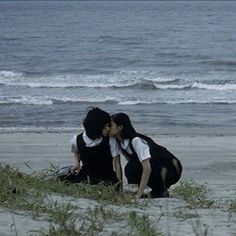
[(171, 65)]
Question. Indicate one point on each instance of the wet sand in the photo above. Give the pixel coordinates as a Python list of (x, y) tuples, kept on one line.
[(206, 159)]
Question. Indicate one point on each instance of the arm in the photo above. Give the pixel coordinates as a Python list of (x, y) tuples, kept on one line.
[(74, 149), (118, 170), (115, 152), (145, 177), (141, 147), (76, 166), (117, 167)]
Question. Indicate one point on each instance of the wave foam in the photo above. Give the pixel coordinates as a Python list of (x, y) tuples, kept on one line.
[(227, 86), (45, 100), (35, 129), (138, 102), (6, 73), (27, 100), (129, 80), (172, 86), (61, 100)]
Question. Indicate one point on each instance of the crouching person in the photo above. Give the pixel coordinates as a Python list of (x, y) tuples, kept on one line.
[(149, 164), (96, 155)]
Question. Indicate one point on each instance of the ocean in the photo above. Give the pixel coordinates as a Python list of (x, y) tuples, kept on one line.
[(170, 65)]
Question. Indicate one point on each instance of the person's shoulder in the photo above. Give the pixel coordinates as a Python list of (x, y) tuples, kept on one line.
[(137, 141), (77, 136), (73, 139)]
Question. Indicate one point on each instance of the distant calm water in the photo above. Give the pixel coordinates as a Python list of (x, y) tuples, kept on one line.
[(170, 65)]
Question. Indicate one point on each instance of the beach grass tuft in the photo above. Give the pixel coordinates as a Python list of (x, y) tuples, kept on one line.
[(38, 195), (17, 186), (183, 214), (194, 194), (141, 225), (232, 206)]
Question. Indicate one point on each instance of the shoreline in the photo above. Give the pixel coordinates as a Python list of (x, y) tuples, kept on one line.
[(151, 132)]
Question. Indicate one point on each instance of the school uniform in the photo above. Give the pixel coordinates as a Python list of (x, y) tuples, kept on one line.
[(96, 157), (141, 148)]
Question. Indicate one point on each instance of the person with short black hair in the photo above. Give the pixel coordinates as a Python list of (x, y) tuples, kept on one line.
[(149, 164), (96, 151)]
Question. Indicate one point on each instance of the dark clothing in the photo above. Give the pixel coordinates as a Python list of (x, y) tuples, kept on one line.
[(161, 161), (96, 163)]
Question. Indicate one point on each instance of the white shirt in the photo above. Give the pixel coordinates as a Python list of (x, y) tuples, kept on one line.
[(140, 147), (92, 143)]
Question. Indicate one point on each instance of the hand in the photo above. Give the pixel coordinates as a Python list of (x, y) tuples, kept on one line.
[(75, 169), (144, 195), (138, 196), (119, 186)]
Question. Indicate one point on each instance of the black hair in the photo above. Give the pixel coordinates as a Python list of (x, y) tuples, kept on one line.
[(123, 119), (95, 121)]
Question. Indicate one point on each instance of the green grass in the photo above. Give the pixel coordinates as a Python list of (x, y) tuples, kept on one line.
[(194, 194), (232, 206), (183, 214), (34, 194), (141, 225), (16, 186)]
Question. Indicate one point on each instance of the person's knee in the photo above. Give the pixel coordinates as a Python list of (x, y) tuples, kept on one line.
[(163, 174), (177, 165)]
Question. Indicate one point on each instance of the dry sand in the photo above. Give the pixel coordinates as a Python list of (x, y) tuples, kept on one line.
[(206, 159)]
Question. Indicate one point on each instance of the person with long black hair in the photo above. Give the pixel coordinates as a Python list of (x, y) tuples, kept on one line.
[(96, 155), (149, 164)]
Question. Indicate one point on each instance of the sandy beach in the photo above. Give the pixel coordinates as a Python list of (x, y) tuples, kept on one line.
[(170, 65), (206, 159)]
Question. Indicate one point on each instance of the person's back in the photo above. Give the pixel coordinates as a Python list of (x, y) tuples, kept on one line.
[(96, 160), (161, 158), (158, 152)]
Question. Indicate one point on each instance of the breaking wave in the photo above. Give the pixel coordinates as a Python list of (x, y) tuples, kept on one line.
[(46, 100), (116, 81)]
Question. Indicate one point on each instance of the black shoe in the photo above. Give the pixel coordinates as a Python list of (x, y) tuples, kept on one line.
[(146, 196), (160, 194)]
